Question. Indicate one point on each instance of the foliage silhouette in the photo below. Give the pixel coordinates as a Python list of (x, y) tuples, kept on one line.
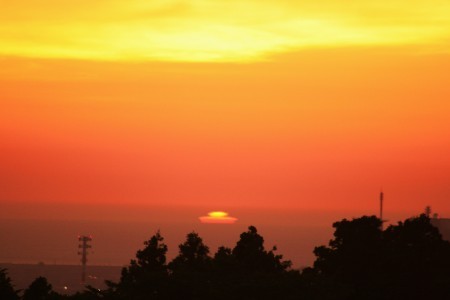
[(191, 269), (249, 252), (224, 261), (146, 275), (409, 260), (417, 260), (353, 253), (7, 291), (193, 255), (39, 289)]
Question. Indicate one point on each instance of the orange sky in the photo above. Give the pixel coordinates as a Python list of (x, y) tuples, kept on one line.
[(177, 105)]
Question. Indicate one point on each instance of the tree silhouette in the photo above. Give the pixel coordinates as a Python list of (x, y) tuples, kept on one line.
[(153, 256), (352, 254), (39, 289), (7, 291), (406, 261), (250, 272), (190, 277), (249, 252), (224, 261), (417, 259), (193, 255), (146, 276)]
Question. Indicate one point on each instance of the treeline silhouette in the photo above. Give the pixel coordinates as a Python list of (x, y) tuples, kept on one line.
[(409, 260)]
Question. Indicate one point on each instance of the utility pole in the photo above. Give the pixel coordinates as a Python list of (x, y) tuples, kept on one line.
[(84, 246)]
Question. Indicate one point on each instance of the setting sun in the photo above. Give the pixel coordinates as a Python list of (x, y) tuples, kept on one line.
[(218, 217)]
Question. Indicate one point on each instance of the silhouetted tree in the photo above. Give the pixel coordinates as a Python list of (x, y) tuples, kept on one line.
[(153, 256), (416, 260), (251, 272), (249, 252), (7, 291), (193, 255), (146, 277), (224, 261), (406, 261), (352, 254), (39, 289), (190, 277)]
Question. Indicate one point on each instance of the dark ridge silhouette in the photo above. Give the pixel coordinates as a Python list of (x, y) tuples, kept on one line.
[(409, 260)]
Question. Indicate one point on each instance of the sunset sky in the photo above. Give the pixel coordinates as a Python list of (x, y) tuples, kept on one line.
[(281, 113)]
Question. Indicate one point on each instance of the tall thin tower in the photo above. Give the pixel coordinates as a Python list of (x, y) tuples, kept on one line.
[(381, 208), (84, 246)]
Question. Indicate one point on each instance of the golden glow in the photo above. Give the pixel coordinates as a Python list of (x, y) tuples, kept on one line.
[(218, 217), (199, 30)]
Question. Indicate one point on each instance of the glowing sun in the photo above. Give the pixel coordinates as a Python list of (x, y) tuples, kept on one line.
[(218, 217)]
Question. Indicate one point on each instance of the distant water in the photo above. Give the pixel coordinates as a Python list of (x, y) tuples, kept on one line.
[(65, 279)]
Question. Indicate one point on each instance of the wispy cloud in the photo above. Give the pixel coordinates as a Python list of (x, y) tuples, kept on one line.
[(244, 30)]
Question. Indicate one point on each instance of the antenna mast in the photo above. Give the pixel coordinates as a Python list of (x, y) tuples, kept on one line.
[(84, 246), (381, 208)]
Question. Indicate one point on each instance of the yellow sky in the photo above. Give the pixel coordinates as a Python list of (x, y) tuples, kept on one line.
[(199, 30)]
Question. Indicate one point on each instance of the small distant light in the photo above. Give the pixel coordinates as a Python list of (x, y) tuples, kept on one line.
[(65, 287)]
